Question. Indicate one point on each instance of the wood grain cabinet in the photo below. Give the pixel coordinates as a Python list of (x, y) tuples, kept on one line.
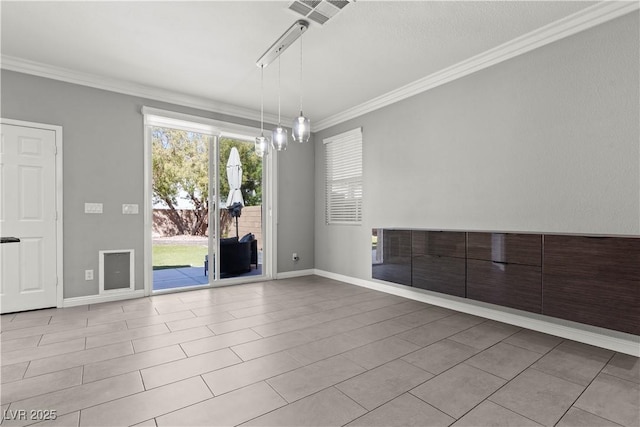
[(438, 261), (391, 256), (593, 280), (586, 279), (505, 269)]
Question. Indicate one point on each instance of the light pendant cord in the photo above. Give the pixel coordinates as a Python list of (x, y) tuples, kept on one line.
[(262, 100), (279, 91), (301, 75)]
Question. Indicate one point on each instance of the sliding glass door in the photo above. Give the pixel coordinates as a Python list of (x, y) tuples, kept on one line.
[(207, 207), (240, 178)]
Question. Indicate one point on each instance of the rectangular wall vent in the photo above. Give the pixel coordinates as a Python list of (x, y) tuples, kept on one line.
[(117, 271)]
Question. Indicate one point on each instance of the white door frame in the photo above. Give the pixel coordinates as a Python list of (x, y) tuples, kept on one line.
[(215, 128), (59, 200)]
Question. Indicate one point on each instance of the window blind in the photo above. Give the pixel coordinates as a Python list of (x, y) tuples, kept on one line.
[(343, 178)]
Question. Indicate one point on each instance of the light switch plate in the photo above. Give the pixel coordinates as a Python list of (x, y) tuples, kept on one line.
[(93, 208), (129, 209)]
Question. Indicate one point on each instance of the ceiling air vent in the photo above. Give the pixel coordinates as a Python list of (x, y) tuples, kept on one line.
[(319, 11)]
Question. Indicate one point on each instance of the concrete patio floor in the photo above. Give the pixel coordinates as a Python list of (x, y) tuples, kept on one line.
[(171, 278)]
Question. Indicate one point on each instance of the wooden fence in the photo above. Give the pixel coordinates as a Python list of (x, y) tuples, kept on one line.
[(250, 221)]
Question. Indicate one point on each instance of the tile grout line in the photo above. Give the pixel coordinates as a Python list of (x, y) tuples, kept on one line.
[(311, 327), (585, 389), (494, 392)]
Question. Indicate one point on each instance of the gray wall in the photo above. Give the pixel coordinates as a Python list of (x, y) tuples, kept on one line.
[(296, 201), (103, 162), (545, 142)]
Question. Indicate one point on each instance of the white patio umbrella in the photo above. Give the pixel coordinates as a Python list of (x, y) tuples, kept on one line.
[(235, 202), (234, 177)]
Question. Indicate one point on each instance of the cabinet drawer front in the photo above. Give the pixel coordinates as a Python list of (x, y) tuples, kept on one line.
[(613, 305), (439, 274), (603, 260), (392, 256), (395, 273), (523, 249), (510, 285), (439, 243), (396, 244)]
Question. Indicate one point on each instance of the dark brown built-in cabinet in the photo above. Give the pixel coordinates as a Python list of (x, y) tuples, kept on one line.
[(392, 256), (438, 261), (505, 269), (593, 280), (588, 279)]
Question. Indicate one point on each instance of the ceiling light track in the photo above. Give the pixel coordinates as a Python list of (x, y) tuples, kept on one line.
[(285, 40)]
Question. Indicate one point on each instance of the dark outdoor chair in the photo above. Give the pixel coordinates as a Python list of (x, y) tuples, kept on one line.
[(236, 256)]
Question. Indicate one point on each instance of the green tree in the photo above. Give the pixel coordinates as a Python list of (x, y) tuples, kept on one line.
[(180, 165)]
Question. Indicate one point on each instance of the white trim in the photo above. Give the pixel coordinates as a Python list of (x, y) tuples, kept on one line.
[(215, 158), (213, 244), (97, 299), (270, 258), (612, 340), (26, 66), (59, 199), (148, 211), (295, 273), (205, 125), (560, 29)]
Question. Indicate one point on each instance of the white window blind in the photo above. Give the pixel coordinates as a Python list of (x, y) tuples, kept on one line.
[(343, 178)]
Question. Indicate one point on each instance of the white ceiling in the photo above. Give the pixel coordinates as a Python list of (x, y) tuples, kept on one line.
[(208, 49)]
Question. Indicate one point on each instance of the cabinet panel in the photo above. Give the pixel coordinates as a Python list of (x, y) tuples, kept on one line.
[(510, 285), (597, 258), (440, 274), (502, 247), (439, 243), (593, 280), (392, 256), (608, 305)]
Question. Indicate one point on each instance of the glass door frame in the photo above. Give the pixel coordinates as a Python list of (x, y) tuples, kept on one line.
[(215, 129)]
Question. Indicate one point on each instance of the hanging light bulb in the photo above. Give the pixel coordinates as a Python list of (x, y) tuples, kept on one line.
[(301, 129), (279, 138), (262, 142)]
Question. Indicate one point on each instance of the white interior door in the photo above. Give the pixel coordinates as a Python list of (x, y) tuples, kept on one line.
[(28, 212)]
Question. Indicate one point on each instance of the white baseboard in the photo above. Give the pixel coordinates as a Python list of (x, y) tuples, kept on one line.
[(600, 337), (96, 299), (295, 273)]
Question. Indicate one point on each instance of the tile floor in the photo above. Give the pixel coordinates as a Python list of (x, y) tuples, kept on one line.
[(304, 351)]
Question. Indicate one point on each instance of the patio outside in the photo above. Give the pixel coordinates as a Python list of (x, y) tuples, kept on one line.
[(178, 261)]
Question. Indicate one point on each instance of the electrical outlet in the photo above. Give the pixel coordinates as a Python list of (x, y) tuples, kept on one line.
[(88, 275), (295, 256)]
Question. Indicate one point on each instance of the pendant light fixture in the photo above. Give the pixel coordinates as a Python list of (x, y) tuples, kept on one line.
[(301, 129), (279, 137), (262, 142)]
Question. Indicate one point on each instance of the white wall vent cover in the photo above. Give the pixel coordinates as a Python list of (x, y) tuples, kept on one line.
[(117, 272), (319, 11)]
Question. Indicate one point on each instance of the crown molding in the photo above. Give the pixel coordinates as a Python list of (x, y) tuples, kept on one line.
[(562, 28), (25, 66)]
